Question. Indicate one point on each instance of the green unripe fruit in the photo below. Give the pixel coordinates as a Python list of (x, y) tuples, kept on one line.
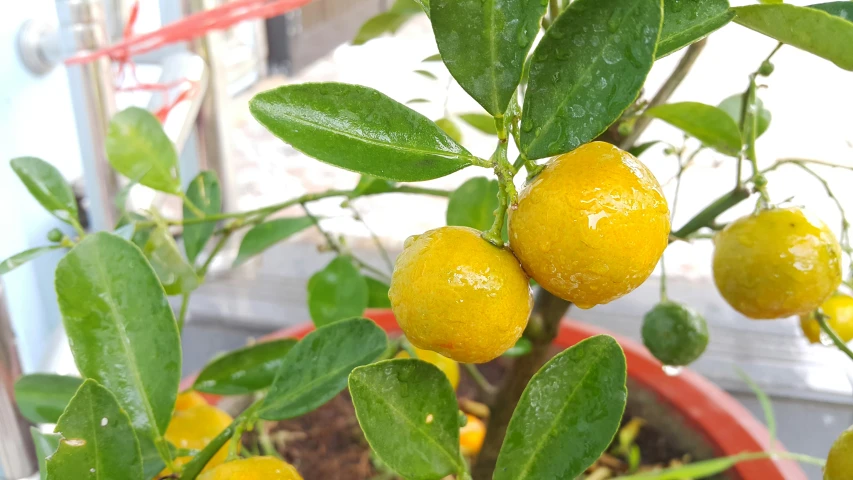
[(55, 235), (675, 333), (766, 69)]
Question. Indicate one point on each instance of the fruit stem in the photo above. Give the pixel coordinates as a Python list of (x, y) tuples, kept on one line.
[(506, 192), (821, 320), (710, 213), (487, 388)]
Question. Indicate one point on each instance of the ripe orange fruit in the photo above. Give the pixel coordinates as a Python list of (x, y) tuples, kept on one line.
[(255, 468), (471, 436), (193, 429), (839, 309), (457, 294), (776, 263), (446, 365), (592, 226), (188, 400)]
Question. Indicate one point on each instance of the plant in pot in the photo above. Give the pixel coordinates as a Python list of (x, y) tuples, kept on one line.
[(589, 226)]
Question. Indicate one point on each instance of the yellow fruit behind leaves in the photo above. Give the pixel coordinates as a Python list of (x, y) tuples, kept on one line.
[(189, 400), (839, 463), (446, 365), (592, 226), (776, 263), (193, 429), (839, 309), (471, 436), (457, 294), (255, 468)]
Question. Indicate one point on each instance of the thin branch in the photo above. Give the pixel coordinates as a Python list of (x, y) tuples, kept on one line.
[(182, 316), (487, 388), (376, 240), (821, 320), (202, 272), (666, 91)]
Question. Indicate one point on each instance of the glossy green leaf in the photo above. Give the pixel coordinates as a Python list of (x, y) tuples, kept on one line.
[(21, 258), (842, 9), (407, 6), (427, 74), (567, 415), (710, 125), (695, 470), (688, 21), (450, 128), (368, 185), (375, 27), (42, 397), (359, 129), (484, 44), (176, 275), (409, 415), (733, 105), (47, 186), (267, 234), (337, 292), (121, 328), (245, 370), (46, 445), (98, 442), (138, 148), (433, 58), (589, 67), (522, 347), (815, 31), (377, 293), (316, 369), (473, 204), (424, 6), (206, 194), (482, 122), (417, 100)]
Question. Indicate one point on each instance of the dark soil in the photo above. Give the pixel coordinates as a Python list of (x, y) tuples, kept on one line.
[(327, 444)]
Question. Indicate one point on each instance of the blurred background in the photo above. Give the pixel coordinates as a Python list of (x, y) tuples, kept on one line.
[(58, 113)]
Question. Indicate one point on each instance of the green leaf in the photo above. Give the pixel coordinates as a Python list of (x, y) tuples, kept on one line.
[(244, 371), (337, 292), (121, 328), (733, 105), (815, 31), (641, 148), (473, 204), (375, 27), (710, 125), (521, 348), (205, 193), (368, 185), (417, 100), (567, 415), (138, 148), (688, 21), (409, 415), (46, 445), (763, 399), (316, 369), (589, 67), (42, 397), (377, 293), (48, 187), (267, 234), (482, 122), (770, 1), (359, 129), (424, 6), (21, 258), (450, 128), (427, 74), (839, 9), (484, 44), (407, 6), (98, 441), (433, 58), (176, 275)]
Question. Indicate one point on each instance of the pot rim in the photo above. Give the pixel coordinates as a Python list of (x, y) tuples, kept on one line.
[(727, 424)]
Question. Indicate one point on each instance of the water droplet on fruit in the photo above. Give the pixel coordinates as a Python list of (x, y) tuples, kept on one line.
[(672, 371)]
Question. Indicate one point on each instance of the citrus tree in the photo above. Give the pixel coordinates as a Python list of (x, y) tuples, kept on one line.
[(589, 225)]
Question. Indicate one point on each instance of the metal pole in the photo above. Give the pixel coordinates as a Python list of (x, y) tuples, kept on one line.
[(82, 28), (17, 456)]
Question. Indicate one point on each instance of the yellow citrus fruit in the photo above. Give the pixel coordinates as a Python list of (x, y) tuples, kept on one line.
[(776, 263), (194, 428), (255, 468), (446, 365), (839, 309), (457, 294), (592, 226), (188, 400), (839, 462), (471, 436)]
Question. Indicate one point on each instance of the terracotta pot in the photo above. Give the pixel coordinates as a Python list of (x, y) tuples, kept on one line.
[(687, 399)]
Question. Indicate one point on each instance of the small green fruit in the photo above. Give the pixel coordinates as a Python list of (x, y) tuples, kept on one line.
[(55, 235), (675, 333), (766, 69)]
